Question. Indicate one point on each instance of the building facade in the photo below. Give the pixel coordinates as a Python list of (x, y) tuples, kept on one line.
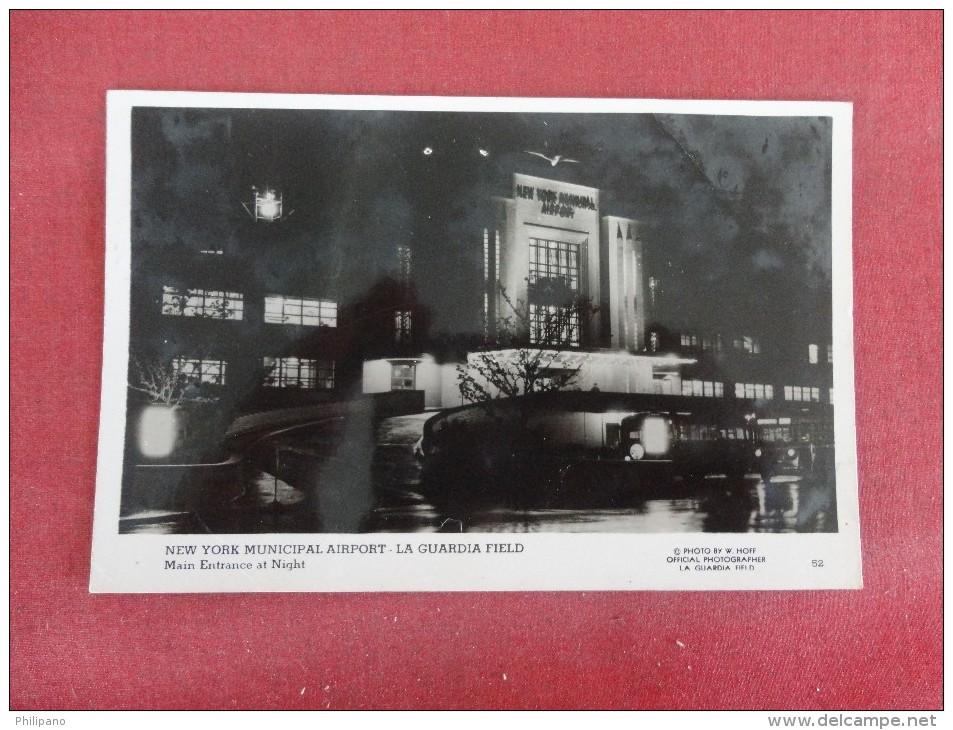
[(550, 254)]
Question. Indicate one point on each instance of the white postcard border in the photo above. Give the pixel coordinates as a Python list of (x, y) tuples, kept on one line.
[(506, 561)]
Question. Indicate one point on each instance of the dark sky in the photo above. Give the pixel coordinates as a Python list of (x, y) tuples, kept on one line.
[(736, 210)]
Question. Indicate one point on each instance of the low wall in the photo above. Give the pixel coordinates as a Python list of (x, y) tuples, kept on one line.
[(397, 403), (183, 487)]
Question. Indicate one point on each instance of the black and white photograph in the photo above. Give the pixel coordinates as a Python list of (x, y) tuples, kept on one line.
[(362, 320)]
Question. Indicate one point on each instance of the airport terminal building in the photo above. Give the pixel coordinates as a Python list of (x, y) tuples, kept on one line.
[(546, 248), (551, 243)]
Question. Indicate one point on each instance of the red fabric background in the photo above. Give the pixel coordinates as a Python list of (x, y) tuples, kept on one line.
[(877, 648)]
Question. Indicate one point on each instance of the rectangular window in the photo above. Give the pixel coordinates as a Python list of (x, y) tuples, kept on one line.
[(202, 303), (802, 393), (403, 377), (830, 353), (201, 371), (293, 310), (704, 388), (759, 391), (812, 354), (555, 326), (403, 262), (293, 372), (401, 327), (553, 268)]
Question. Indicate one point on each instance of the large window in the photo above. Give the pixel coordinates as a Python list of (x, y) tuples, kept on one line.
[(293, 310), (201, 371), (293, 372), (703, 388), (202, 303), (802, 393), (754, 390), (552, 325), (553, 270)]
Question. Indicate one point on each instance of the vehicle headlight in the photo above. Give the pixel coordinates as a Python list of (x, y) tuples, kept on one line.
[(791, 452), (757, 452), (636, 451)]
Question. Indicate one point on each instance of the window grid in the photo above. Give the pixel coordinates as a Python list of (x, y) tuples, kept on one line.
[(804, 393), (293, 372), (202, 303), (294, 310), (198, 370), (549, 260), (553, 325), (758, 391), (704, 388)]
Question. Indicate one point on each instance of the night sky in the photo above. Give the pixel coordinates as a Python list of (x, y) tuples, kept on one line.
[(735, 210)]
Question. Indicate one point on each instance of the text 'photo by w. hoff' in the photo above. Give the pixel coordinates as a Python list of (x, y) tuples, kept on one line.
[(393, 343)]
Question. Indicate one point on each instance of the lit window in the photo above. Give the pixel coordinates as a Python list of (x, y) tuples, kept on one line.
[(830, 353), (831, 396), (292, 310), (804, 394), (401, 327), (403, 377), (704, 388), (403, 262), (553, 265), (812, 354), (202, 303), (759, 391), (557, 326), (293, 372), (201, 371)]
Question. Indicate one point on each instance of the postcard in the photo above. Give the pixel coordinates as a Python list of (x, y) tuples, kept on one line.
[(360, 343)]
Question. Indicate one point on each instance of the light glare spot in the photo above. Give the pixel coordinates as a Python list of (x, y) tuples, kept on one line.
[(157, 431)]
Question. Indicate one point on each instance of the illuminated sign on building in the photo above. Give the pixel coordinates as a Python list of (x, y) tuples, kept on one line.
[(554, 203)]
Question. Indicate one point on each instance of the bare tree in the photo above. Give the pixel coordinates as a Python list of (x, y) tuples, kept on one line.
[(526, 349), (168, 382)]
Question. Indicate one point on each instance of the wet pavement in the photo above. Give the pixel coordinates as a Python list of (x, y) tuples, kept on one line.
[(333, 478)]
